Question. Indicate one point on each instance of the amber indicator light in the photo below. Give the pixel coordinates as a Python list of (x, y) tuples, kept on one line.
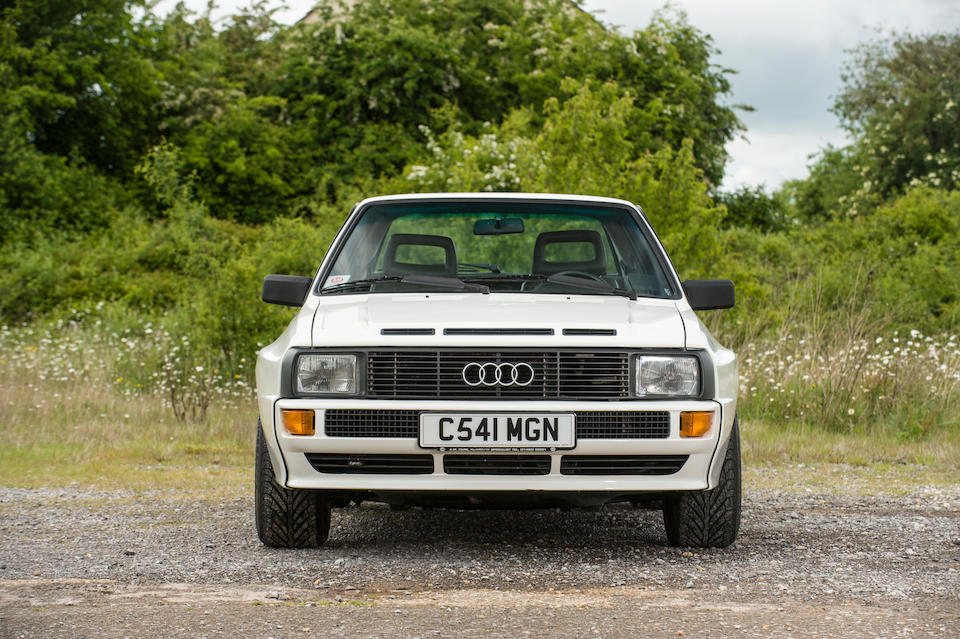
[(695, 423), (298, 422)]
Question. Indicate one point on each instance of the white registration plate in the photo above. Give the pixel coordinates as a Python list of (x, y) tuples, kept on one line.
[(480, 431)]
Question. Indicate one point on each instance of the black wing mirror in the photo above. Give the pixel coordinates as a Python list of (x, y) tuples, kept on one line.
[(706, 295), (286, 290)]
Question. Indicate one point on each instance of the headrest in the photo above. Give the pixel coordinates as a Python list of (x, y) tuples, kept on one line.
[(594, 262), (402, 255)]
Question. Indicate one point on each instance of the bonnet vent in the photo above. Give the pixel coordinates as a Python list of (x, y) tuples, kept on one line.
[(498, 331), (407, 331), (589, 331)]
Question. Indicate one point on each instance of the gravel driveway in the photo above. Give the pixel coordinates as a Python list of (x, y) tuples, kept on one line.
[(80, 563)]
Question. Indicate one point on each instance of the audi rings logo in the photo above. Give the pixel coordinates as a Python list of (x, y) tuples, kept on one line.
[(494, 374)]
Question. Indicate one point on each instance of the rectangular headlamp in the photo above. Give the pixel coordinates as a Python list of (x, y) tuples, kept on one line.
[(326, 373), (668, 376)]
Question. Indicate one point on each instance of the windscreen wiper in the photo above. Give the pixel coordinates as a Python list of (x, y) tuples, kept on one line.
[(593, 285), (346, 286), (427, 280), (445, 282)]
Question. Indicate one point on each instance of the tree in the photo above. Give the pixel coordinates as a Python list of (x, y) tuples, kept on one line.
[(77, 78), (77, 91), (276, 120), (754, 208), (901, 103), (360, 68), (583, 148)]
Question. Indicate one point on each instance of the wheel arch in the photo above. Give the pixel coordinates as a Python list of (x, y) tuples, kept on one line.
[(277, 460), (716, 464)]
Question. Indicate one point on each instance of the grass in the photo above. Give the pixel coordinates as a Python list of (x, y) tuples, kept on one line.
[(791, 443), (69, 416), (798, 457)]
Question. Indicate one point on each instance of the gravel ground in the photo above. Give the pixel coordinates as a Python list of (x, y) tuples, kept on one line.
[(76, 562)]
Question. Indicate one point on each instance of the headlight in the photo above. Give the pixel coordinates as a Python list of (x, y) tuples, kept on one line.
[(318, 373), (671, 376)]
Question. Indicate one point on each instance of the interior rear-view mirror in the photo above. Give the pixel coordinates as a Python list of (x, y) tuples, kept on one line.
[(498, 226)]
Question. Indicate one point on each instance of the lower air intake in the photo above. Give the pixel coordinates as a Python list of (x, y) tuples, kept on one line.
[(371, 464), (496, 464), (621, 464)]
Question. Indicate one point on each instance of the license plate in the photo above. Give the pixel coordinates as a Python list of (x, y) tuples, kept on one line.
[(479, 431)]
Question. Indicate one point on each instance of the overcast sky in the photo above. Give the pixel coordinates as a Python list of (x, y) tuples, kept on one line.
[(787, 55)]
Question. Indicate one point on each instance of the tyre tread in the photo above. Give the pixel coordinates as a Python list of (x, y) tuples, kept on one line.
[(286, 518), (708, 518)]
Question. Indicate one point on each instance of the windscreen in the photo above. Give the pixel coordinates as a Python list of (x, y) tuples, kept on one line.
[(507, 247)]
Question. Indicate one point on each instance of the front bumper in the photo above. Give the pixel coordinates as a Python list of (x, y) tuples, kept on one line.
[(294, 470)]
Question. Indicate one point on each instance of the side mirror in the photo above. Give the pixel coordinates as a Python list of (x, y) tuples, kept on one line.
[(706, 295), (286, 290)]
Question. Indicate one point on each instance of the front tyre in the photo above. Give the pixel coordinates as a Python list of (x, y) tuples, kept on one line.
[(708, 518), (287, 518)]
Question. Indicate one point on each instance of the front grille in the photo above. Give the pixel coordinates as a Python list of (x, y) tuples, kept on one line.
[(623, 425), (371, 423), (439, 375), (621, 464), (496, 464), (371, 464), (353, 422)]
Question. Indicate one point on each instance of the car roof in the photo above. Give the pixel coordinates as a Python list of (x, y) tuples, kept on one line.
[(496, 196)]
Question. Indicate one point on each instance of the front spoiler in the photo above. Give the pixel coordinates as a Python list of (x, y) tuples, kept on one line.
[(293, 470)]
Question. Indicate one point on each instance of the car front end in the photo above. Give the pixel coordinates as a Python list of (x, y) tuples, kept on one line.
[(562, 382)]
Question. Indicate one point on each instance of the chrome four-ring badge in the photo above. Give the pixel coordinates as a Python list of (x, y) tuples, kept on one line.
[(494, 374)]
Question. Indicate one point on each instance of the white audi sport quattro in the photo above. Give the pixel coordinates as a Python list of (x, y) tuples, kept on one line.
[(497, 351)]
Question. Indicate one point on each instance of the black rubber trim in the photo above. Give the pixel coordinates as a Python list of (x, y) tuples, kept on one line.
[(720, 433), (276, 438), (634, 210)]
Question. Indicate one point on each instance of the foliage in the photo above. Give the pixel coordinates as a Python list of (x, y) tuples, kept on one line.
[(754, 208), (244, 161), (77, 79), (197, 277), (582, 148), (155, 168), (905, 384), (272, 119), (897, 268), (901, 102), (378, 62), (832, 188), (43, 194)]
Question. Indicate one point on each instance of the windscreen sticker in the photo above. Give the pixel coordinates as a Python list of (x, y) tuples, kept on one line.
[(333, 280)]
